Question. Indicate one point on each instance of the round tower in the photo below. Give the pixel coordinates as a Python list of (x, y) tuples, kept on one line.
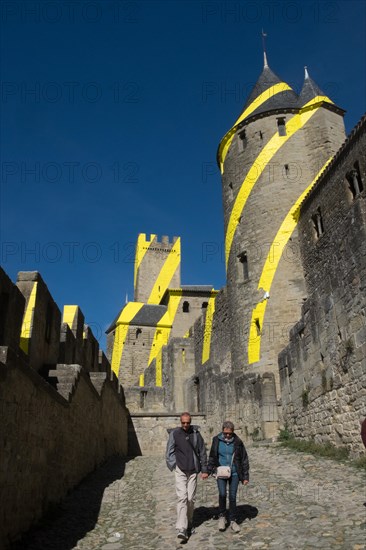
[(268, 160)]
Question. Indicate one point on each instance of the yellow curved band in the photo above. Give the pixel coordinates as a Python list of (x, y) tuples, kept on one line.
[(270, 266), (25, 334), (163, 328), (267, 153), (258, 101), (127, 314), (208, 328), (69, 315), (166, 274), (142, 247)]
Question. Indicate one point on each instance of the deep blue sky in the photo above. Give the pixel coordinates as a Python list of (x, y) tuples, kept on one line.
[(130, 101)]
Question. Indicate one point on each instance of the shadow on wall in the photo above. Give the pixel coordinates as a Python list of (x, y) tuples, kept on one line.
[(69, 521), (134, 448)]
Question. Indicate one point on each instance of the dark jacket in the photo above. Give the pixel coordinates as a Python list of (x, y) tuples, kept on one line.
[(241, 460), (199, 456), (363, 432)]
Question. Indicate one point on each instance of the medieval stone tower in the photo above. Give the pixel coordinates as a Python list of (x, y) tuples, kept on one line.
[(162, 308), (141, 328), (268, 160), (157, 266)]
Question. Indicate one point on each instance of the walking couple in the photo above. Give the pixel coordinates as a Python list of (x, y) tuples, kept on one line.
[(186, 455)]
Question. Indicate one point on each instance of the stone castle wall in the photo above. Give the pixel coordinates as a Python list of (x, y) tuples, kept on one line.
[(323, 370), (58, 420), (151, 431), (195, 303), (248, 400)]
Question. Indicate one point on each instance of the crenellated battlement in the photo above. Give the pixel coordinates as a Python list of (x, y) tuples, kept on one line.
[(63, 405), (154, 239), (157, 265)]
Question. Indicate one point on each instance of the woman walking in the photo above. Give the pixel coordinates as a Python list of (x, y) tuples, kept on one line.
[(227, 449)]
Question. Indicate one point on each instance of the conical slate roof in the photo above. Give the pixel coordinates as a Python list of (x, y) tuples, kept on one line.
[(309, 90), (270, 93), (285, 98)]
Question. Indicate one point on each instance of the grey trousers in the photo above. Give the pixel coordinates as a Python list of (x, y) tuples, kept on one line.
[(185, 487)]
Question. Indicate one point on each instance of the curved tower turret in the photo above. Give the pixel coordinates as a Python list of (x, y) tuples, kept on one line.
[(268, 159)]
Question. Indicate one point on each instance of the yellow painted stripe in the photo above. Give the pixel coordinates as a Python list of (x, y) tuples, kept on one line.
[(267, 153), (142, 247), (186, 334), (164, 326), (269, 269), (166, 274), (25, 334), (142, 380), (258, 101), (159, 369), (127, 314), (208, 329), (69, 315)]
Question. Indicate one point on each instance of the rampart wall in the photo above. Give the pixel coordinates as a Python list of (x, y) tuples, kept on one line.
[(323, 369), (151, 431), (248, 399), (58, 420)]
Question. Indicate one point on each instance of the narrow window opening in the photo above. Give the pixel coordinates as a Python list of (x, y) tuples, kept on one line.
[(318, 223), (287, 168), (204, 305), (258, 327), (355, 181), (138, 332), (185, 307), (242, 140), (143, 395), (261, 134), (243, 259), (231, 192), (281, 125), (357, 168), (196, 382)]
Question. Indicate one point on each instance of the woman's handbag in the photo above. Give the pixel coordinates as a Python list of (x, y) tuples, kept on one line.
[(224, 472)]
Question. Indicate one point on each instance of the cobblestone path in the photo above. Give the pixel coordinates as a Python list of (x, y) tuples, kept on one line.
[(294, 501)]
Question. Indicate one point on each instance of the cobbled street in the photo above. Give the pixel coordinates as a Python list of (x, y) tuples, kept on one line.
[(293, 501)]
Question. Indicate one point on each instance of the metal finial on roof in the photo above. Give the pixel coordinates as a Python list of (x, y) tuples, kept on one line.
[(306, 73), (264, 35)]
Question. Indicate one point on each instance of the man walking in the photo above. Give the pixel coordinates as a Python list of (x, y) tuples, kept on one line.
[(186, 454)]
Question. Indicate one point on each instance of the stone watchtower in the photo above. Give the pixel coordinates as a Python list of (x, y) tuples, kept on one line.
[(268, 161), (142, 327), (157, 266)]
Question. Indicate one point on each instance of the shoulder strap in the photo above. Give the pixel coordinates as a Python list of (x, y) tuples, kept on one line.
[(189, 441)]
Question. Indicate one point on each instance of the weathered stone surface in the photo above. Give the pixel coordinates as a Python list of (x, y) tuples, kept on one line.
[(323, 374), (293, 501), (58, 422)]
